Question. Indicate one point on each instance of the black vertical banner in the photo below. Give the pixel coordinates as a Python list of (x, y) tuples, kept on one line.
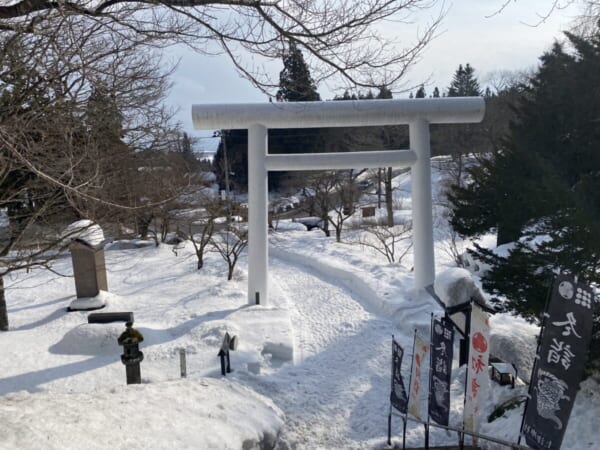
[(398, 396), (442, 340), (563, 352)]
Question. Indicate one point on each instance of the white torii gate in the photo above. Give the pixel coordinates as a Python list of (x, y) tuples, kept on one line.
[(259, 117)]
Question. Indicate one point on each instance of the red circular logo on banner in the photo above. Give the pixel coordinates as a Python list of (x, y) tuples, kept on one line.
[(479, 342)]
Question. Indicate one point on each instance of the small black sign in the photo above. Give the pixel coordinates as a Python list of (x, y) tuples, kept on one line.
[(442, 340), (555, 381), (398, 396)]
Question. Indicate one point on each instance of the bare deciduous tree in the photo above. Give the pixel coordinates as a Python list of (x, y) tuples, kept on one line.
[(201, 240), (337, 36), (200, 226), (345, 195), (64, 156), (392, 242), (230, 242), (331, 196)]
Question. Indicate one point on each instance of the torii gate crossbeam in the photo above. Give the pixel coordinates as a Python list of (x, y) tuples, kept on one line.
[(259, 117)]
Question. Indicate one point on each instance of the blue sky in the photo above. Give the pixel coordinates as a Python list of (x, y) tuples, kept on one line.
[(467, 35)]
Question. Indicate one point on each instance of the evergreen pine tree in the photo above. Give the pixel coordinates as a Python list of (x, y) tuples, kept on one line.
[(384, 92), (295, 85), (462, 139), (186, 144), (295, 82), (103, 117), (541, 190), (420, 92), (464, 83), (187, 151), (368, 96), (436, 92), (346, 96)]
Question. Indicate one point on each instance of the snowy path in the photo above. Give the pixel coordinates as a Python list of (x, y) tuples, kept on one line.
[(336, 396)]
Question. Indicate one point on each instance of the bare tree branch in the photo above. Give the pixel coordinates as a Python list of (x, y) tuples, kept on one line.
[(341, 36)]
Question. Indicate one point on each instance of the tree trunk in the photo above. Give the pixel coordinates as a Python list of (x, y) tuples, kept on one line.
[(338, 234), (3, 309), (143, 226), (164, 229), (389, 200), (325, 221)]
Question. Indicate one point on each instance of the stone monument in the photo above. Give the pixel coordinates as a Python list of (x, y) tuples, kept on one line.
[(89, 267)]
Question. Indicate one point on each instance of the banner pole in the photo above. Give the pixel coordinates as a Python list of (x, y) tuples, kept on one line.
[(404, 420), (467, 351), (537, 357), (412, 362), (430, 379), (389, 441)]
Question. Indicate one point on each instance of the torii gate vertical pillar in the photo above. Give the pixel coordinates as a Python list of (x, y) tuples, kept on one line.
[(422, 226), (257, 214)]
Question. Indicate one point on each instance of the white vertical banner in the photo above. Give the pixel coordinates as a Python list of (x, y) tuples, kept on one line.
[(477, 369), (420, 356)]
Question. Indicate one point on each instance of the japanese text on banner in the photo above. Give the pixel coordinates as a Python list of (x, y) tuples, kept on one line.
[(420, 357), (398, 397), (477, 370), (565, 342), (442, 340)]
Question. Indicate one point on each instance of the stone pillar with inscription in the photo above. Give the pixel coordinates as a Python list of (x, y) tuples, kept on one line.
[(89, 267)]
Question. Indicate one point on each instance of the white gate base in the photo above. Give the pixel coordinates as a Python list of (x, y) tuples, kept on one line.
[(259, 117)]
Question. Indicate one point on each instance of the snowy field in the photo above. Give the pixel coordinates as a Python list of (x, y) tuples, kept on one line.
[(312, 370)]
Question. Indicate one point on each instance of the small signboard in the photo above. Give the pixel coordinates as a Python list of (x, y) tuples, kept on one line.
[(565, 341), (398, 396), (442, 340)]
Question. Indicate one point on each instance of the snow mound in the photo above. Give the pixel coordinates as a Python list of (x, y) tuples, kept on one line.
[(514, 340), (194, 414), (86, 231), (90, 339), (130, 244), (103, 298), (87, 303), (455, 286), (288, 225), (268, 336)]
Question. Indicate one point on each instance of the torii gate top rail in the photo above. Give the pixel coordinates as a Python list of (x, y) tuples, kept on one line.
[(258, 117), (349, 113)]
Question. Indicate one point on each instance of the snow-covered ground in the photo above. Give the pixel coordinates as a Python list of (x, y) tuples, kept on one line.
[(312, 370)]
